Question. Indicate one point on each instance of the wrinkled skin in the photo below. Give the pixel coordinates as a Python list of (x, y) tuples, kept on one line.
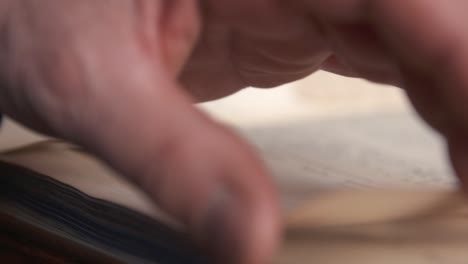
[(119, 77)]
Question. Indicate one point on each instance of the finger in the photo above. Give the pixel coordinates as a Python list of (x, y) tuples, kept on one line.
[(178, 35), (343, 23), (272, 44), (261, 18), (196, 170), (458, 151), (364, 53), (430, 40), (334, 10), (114, 92), (428, 104), (335, 65)]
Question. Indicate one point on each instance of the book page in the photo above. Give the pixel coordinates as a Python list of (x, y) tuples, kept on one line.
[(374, 151), (328, 132)]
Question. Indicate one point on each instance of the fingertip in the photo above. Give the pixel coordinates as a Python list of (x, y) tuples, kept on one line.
[(200, 173), (237, 231)]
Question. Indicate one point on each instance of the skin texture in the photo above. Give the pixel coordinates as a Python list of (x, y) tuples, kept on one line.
[(119, 77)]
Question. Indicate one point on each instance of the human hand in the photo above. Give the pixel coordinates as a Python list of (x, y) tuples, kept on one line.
[(103, 74), (119, 78)]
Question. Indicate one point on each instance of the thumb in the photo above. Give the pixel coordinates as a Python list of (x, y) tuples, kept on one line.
[(198, 171), (93, 73)]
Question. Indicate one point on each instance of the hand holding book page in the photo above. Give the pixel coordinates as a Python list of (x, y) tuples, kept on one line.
[(99, 73), (328, 222)]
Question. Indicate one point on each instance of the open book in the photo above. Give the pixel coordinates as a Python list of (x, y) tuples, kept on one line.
[(344, 202), (361, 182), (45, 220)]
